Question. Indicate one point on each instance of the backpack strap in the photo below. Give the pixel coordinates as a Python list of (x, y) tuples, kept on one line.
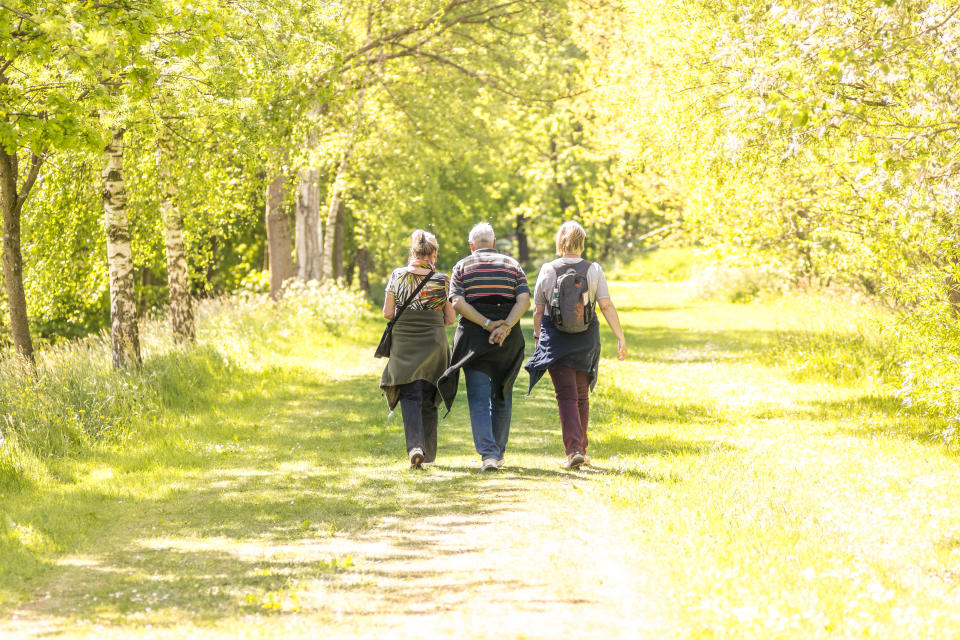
[(582, 268)]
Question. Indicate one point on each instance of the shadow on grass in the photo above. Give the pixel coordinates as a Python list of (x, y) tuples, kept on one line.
[(273, 462), (271, 480)]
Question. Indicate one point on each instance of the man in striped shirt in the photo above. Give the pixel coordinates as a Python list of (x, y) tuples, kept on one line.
[(489, 290)]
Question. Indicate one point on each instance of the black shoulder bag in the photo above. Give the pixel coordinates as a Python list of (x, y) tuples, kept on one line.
[(383, 349)]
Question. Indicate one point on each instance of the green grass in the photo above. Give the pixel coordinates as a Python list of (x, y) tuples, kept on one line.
[(783, 493), (755, 479)]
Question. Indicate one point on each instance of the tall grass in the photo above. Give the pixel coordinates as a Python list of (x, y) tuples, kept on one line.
[(73, 400)]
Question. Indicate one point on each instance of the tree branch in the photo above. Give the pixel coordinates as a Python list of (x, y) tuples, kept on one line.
[(496, 83), (19, 14), (35, 162)]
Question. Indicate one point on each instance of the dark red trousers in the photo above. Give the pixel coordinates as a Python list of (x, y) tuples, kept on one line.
[(573, 399)]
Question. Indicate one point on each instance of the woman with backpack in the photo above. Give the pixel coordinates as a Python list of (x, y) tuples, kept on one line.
[(567, 333), (416, 298)]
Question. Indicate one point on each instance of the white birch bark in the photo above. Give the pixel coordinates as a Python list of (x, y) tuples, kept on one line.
[(309, 235), (178, 277), (124, 331)]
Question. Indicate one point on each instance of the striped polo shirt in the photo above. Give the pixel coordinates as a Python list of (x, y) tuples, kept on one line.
[(488, 276)]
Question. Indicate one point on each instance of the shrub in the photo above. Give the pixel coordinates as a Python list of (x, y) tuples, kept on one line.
[(73, 399), (738, 283), (335, 307)]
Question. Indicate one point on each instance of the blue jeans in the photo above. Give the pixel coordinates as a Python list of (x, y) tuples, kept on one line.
[(489, 418)]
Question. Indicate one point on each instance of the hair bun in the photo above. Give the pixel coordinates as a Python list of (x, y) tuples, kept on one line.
[(423, 243)]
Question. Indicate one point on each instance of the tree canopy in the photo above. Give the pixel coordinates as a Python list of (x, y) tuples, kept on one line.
[(818, 138)]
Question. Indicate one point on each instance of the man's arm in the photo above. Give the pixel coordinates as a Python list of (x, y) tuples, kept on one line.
[(468, 311)]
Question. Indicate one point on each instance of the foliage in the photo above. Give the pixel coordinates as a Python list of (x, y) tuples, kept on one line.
[(669, 264), (455, 113), (72, 402), (739, 284), (818, 136)]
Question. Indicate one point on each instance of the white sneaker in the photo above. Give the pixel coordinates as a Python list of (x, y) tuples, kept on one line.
[(416, 458), (501, 463), (489, 464)]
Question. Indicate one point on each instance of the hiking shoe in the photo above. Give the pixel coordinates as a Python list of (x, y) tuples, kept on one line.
[(574, 460), (416, 458), (489, 464)]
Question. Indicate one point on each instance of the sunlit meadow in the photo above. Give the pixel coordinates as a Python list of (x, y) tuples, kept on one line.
[(754, 476)]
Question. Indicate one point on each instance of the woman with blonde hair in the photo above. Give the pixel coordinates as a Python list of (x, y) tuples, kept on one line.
[(419, 352), (567, 332)]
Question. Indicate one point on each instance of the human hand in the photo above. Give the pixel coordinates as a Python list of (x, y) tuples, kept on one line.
[(621, 349), (494, 324), (498, 335)]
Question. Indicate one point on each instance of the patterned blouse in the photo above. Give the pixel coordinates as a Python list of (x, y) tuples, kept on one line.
[(433, 295)]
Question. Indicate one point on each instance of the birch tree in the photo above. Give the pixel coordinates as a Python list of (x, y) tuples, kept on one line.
[(124, 330), (178, 280), (309, 230)]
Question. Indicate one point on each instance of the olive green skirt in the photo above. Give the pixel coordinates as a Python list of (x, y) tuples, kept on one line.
[(419, 351)]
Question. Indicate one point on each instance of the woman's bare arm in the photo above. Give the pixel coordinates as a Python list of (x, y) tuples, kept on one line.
[(449, 314), (613, 319), (538, 310), (389, 306)]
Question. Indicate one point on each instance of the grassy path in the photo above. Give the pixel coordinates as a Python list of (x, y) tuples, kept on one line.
[(741, 491)]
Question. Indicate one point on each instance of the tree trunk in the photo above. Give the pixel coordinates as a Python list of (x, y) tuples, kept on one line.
[(523, 248), (124, 331), (363, 269), (309, 236), (349, 268), (178, 276), (339, 231), (334, 225), (278, 236), (12, 198)]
